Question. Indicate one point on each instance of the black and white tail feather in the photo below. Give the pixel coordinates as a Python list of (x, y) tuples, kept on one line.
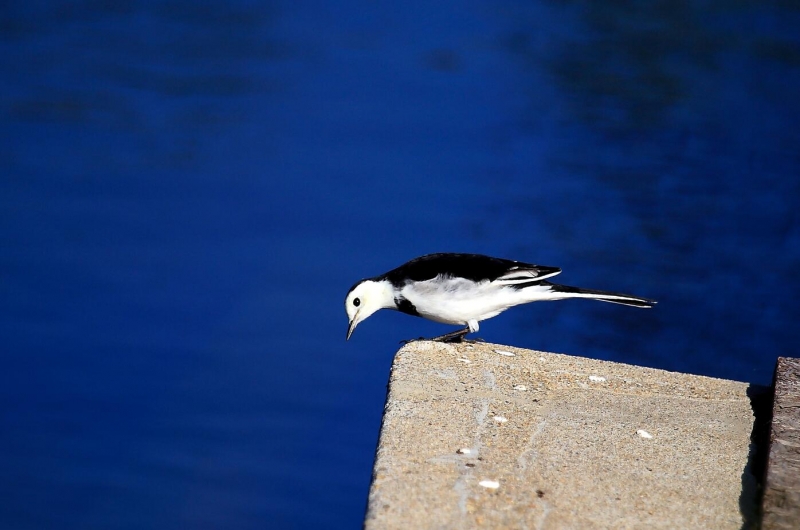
[(602, 296), (464, 289)]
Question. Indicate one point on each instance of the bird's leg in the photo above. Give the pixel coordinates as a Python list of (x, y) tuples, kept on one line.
[(453, 336)]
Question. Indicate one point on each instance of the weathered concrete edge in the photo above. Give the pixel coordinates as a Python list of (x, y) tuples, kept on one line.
[(674, 384), (781, 501)]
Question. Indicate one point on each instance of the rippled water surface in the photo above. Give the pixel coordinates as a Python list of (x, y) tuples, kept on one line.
[(188, 189)]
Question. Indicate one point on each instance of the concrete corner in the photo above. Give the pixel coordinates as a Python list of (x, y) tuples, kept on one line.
[(781, 503), (489, 436)]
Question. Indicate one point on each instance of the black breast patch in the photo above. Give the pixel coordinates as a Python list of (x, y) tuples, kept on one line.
[(405, 306)]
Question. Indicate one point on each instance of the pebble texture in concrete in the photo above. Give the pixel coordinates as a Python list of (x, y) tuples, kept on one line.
[(490, 436)]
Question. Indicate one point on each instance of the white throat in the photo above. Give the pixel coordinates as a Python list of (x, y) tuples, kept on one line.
[(383, 293)]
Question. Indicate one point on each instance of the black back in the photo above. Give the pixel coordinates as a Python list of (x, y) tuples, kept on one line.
[(475, 267)]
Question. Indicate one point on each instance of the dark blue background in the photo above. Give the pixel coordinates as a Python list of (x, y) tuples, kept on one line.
[(189, 189)]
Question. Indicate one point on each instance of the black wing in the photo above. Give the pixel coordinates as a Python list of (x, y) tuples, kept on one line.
[(473, 267)]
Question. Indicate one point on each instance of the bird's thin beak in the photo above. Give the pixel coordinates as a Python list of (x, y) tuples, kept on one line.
[(352, 327)]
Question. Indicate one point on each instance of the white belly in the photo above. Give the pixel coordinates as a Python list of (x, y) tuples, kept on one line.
[(457, 301)]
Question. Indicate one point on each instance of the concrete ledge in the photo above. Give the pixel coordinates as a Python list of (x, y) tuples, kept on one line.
[(489, 436), (782, 489)]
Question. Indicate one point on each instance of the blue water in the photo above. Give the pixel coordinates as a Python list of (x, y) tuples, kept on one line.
[(188, 189)]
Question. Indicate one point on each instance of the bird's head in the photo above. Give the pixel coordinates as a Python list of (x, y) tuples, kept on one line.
[(363, 299)]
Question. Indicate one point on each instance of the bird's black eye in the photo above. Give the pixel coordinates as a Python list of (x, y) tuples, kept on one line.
[(357, 302)]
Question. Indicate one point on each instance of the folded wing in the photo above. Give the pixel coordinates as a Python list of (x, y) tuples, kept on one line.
[(520, 274)]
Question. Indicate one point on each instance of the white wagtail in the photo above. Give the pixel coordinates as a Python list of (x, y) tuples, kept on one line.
[(463, 289)]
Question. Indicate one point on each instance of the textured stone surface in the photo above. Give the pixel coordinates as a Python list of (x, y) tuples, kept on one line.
[(568, 442), (782, 489)]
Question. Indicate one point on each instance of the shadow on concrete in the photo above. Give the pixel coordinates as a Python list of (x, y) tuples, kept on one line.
[(754, 472)]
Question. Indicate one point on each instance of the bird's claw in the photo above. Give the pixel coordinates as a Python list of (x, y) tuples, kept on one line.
[(448, 340)]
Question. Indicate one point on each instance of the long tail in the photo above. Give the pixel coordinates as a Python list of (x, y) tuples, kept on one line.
[(558, 292)]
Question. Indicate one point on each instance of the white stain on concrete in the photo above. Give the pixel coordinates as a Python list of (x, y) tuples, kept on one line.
[(491, 484), (488, 379), (529, 454)]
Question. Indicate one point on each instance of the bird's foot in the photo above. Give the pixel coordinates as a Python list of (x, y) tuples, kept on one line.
[(458, 339), (452, 337), (449, 338)]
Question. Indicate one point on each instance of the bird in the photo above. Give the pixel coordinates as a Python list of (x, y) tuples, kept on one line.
[(464, 289)]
